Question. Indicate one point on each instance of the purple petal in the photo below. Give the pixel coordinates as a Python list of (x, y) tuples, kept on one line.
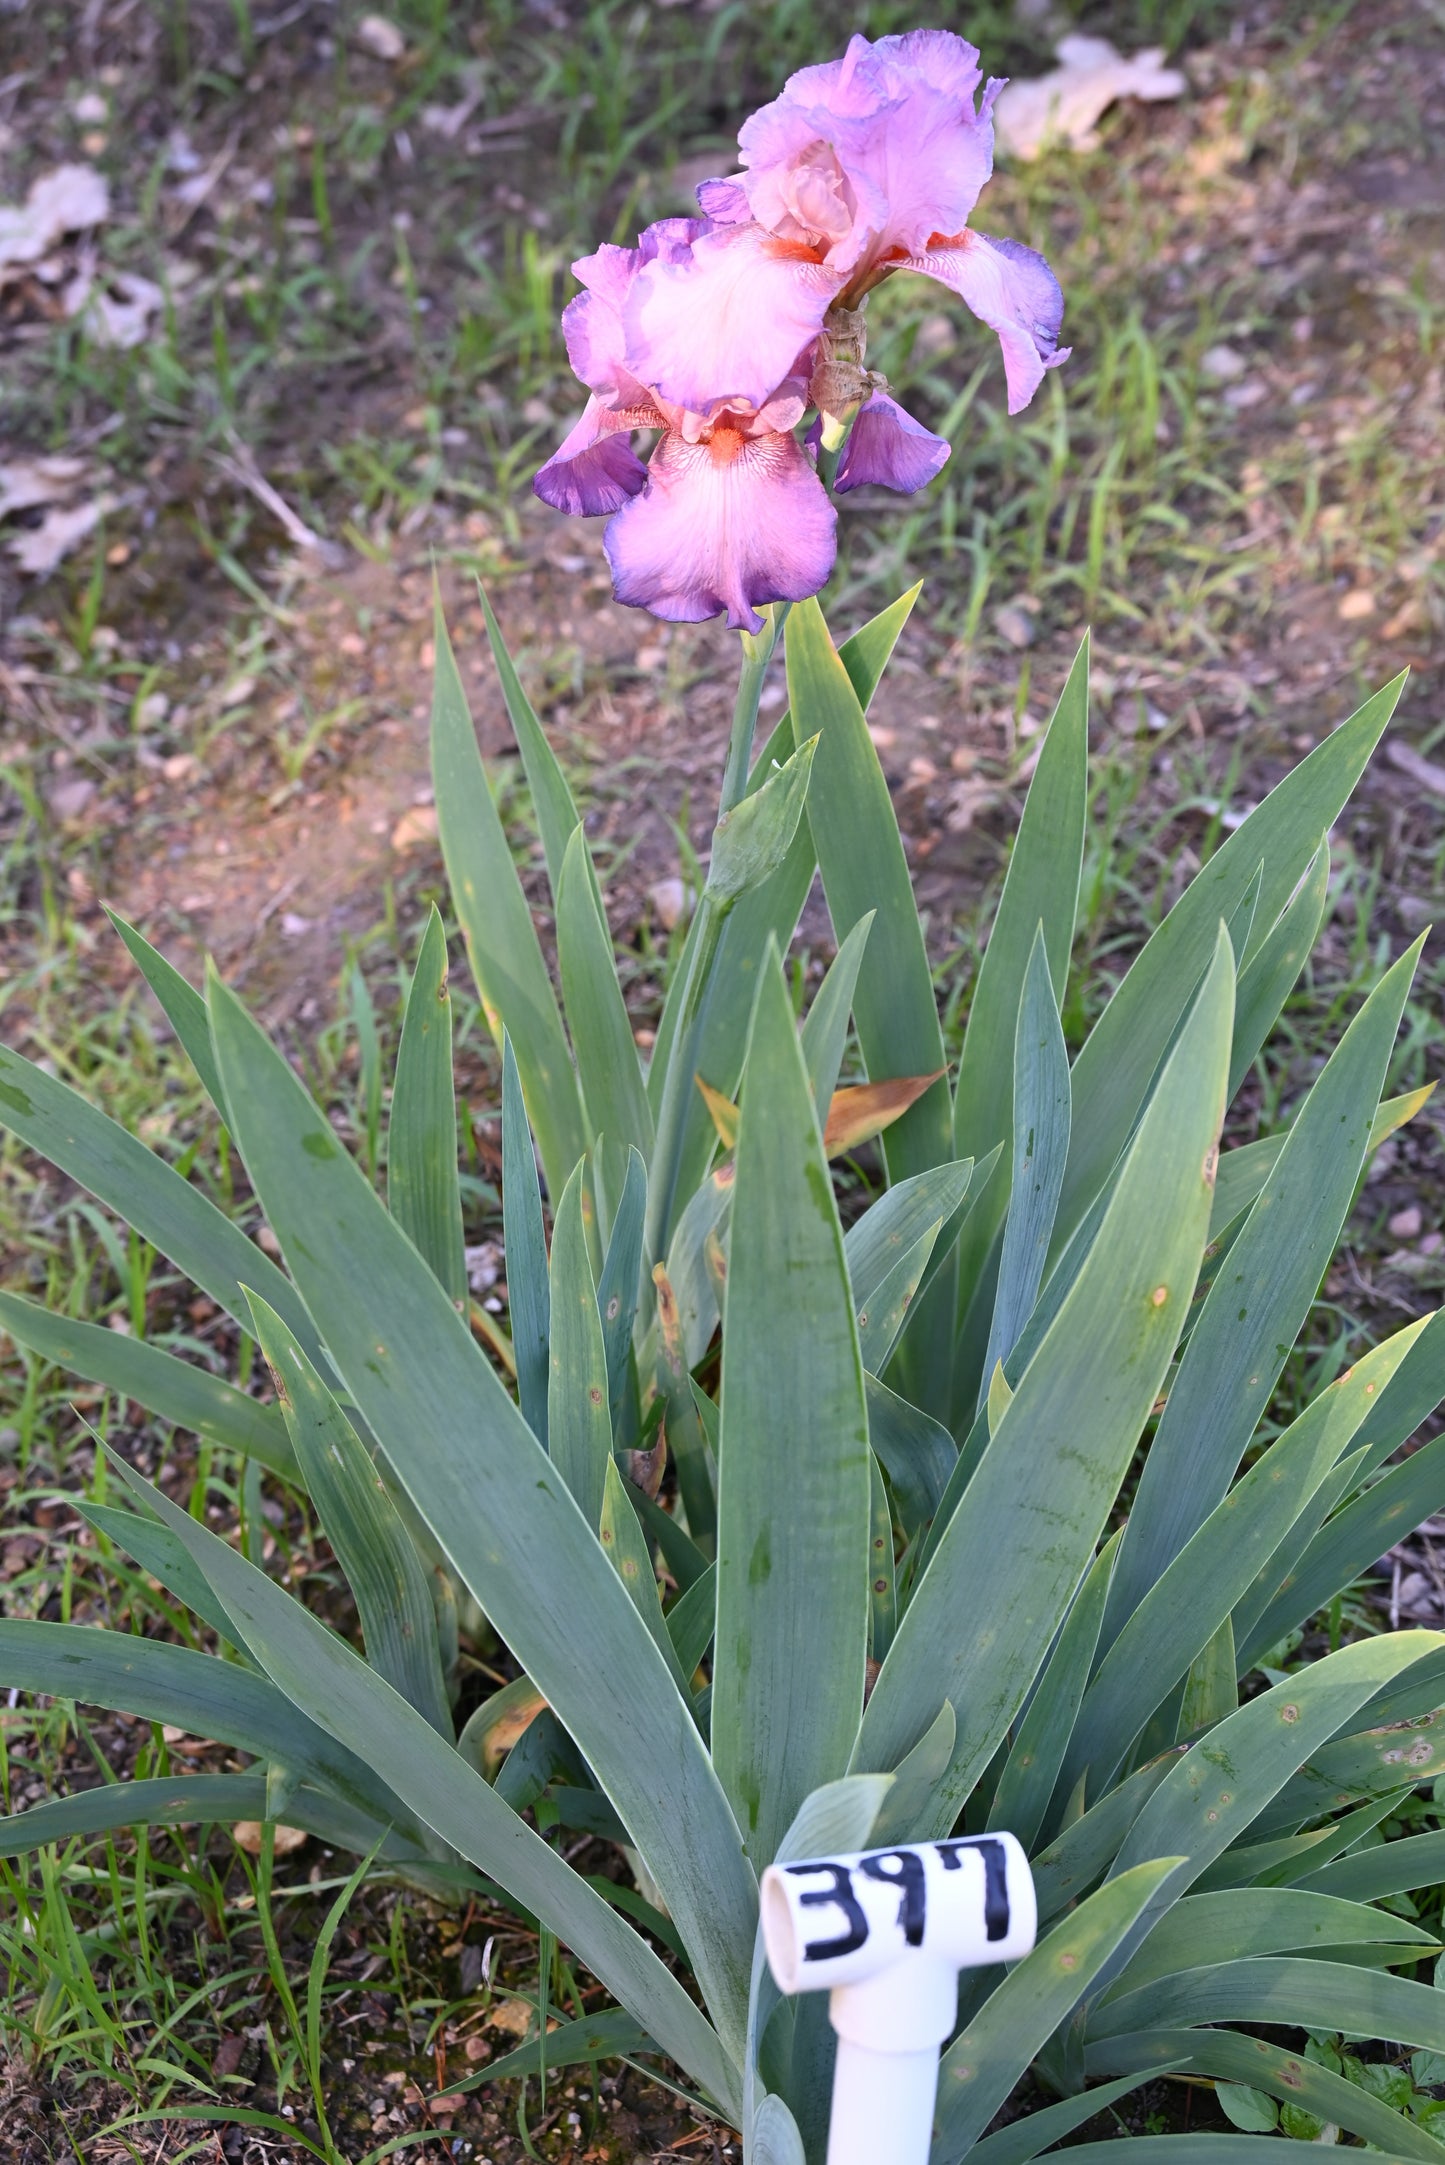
[(889, 448), (592, 324), (944, 62), (595, 469), (723, 526), (727, 322), (724, 201), (873, 153), (1014, 292)]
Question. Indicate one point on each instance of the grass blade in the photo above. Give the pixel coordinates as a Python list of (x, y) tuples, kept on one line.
[(1289, 2076), (1040, 899), (172, 1801), (191, 1397), (607, 1065), (320, 1673), (579, 1424), (620, 1283), (1114, 1071), (1207, 1928), (915, 1451), (1222, 1785), (631, 1553), (1031, 1771), (1039, 1150), (372, 1545), (1287, 1990), (792, 1624), (165, 1209), (552, 799), (194, 1692), (498, 1509), (421, 1156), (1393, 1868), (1194, 1596), (881, 1321), (825, 1027), (184, 1008), (1274, 968), (1258, 1303), (502, 948), (984, 2062), (769, 912), (901, 1216), (860, 856), (529, 1287), (981, 1619)]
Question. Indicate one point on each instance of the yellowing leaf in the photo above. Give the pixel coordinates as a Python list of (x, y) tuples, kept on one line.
[(999, 1394), (724, 1113), (857, 1114)]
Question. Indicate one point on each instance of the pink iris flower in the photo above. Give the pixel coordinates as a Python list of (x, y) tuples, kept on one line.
[(730, 512), (722, 331)]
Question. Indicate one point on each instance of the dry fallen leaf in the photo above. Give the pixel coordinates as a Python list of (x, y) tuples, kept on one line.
[(380, 38), (116, 312), (68, 199), (513, 2016), (40, 548), (670, 901), (28, 483), (417, 824), (247, 1835), (516, 2017), (1066, 105)]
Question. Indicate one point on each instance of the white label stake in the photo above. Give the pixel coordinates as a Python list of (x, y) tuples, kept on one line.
[(885, 1933)]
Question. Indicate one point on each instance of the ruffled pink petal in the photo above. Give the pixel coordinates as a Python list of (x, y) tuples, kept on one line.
[(889, 448), (727, 322), (1014, 292), (940, 59), (595, 469), (873, 153), (592, 323), (721, 527)]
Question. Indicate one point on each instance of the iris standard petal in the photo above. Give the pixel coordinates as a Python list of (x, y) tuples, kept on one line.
[(724, 201), (595, 468), (592, 323), (874, 153), (1014, 292), (723, 526), (726, 321), (887, 447)]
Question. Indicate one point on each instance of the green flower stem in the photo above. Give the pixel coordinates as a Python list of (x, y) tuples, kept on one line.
[(672, 1113), (702, 948), (757, 653)]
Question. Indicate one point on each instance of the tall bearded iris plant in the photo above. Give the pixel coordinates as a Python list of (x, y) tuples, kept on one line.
[(726, 331), (982, 1513)]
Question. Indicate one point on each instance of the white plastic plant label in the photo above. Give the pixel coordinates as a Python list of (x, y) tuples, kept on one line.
[(838, 1920), (885, 1933)]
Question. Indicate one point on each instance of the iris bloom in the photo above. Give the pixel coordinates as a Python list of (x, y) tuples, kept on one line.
[(730, 512), (722, 331)]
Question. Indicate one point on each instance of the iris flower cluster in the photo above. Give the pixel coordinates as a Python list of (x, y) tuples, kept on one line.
[(724, 332)]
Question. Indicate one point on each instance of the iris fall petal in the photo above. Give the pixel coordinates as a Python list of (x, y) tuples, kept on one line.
[(723, 526), (595, 469), (889, 449), (1014, 292)]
